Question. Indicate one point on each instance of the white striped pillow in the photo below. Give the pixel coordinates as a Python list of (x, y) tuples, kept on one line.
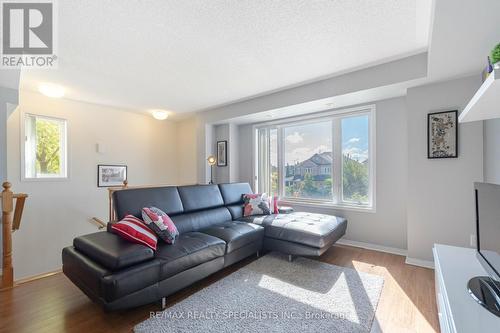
[(135, 231)]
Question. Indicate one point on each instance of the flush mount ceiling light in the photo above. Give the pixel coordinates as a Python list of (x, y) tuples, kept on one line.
[(51, 90), (159, 114)]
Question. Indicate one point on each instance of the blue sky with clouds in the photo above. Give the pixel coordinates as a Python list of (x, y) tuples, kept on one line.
[(303, 141), (355, 137)]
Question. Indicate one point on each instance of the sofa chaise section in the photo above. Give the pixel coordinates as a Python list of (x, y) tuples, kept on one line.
[(296, 233)]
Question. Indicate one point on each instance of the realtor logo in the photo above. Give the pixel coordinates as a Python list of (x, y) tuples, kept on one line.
[(28, 30)]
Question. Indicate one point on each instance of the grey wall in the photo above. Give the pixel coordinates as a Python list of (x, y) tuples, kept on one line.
[(440, 192), (419, 201), (9, 98), (492, 151), (245, 155), (233, 153), (229, 133), (387, 226), (221, 133), (3, 144)]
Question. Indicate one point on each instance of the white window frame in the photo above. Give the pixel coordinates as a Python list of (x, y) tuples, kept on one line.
[(64, 144), (336, 117)]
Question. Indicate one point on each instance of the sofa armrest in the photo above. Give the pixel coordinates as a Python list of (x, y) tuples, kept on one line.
[(111, 251)]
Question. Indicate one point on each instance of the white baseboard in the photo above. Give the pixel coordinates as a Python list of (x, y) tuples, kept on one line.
[(388, 249), (375, 247), (419, 262)]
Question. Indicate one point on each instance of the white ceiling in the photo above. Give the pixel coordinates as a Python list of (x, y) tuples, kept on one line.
[(192, 55)]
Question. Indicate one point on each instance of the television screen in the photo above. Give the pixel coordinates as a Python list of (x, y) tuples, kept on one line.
[(488, 227)]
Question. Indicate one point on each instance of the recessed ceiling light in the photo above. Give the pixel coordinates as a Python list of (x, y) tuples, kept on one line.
[(159, 114), (51, 90)]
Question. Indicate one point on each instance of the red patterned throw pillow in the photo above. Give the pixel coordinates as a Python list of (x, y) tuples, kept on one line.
[(135, 231), (256, 204), (160, 223)]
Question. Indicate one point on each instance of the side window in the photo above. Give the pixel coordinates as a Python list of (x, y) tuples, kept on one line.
[(45, 151)]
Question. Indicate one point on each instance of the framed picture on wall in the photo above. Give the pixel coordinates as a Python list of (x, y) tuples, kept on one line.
[(442, 134), (111, 175), (222, 153)]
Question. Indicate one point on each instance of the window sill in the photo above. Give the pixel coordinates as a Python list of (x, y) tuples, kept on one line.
[(46, 179), (342, 207)]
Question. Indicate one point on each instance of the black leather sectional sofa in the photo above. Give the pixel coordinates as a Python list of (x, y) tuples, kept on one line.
[(213, 234)]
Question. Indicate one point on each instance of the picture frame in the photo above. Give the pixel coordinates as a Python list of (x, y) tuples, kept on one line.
[(442, 134), (221, 153), (109, 175)]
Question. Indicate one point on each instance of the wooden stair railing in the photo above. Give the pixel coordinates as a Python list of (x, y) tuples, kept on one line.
[(100, 223), (112, 213), (11, 220)]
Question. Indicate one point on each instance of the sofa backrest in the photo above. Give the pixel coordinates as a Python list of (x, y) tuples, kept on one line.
[(131, 201), (203, 207), (200, 197), (232, 193), (192, 207)]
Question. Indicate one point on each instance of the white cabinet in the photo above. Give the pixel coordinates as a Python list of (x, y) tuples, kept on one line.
[(457, 310)]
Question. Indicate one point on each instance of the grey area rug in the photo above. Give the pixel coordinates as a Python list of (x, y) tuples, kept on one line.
[(274, 295)]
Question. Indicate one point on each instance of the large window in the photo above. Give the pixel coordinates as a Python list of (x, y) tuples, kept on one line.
[(326, 159), (45, 147)]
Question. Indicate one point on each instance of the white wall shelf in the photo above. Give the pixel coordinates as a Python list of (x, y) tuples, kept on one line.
[(486, 101)]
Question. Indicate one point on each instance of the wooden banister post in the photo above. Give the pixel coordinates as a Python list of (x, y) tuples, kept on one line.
[(111, 208), (7, 216)]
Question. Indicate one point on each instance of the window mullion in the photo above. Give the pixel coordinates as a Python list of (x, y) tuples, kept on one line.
[(29, 146), (281, 167), (337, 160)]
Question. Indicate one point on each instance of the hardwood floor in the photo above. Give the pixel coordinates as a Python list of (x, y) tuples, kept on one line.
[(54, 304)]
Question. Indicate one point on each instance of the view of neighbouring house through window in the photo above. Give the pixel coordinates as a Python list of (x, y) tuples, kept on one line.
[(308, 161), (327, 159)]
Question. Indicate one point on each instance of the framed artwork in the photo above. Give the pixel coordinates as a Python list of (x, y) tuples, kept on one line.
[(111, 175), (222, 153), (442, 134)]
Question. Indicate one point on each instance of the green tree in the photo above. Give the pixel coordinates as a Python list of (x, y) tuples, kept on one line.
[(327, 187), (309, 187), (47, 147), (355, 180)]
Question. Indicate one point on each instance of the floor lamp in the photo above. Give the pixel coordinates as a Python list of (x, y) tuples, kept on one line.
[(211, 161)]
